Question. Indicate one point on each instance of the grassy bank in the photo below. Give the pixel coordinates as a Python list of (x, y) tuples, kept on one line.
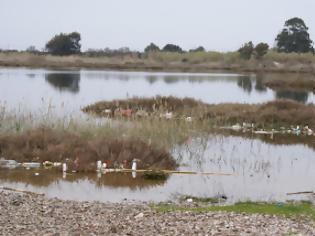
[(296, 210), (161, 61)]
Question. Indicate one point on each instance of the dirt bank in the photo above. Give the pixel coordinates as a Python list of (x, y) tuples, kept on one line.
[(27, 214), (81, 153)]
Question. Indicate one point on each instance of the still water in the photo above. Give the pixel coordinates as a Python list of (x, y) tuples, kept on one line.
[(65, 92), (260, 171)]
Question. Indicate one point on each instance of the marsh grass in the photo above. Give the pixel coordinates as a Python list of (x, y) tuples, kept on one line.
[(274, 114), (293, 209), (32, 138), (190, 61)]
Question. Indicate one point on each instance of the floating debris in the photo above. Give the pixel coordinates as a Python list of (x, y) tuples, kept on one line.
[(29, 165), (10, 164)]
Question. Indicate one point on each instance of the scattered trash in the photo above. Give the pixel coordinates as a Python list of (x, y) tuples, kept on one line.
[(140, 215), (10, 164), (169, 115), (188, 119), (189, 200), (142, 113), (126, 112), (48, 164), (36, 174), (107, 111), (64, 167), (134, 165), (98, 165), (236, 127), (29, 165)]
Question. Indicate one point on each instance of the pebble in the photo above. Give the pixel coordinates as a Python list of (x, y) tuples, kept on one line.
[(28, 214)]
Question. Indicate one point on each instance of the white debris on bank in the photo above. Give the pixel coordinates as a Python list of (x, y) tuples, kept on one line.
[(246, 127)]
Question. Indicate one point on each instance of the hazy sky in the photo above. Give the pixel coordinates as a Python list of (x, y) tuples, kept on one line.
[(216, 24)]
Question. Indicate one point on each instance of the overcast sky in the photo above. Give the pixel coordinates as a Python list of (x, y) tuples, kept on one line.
[(221, 25)]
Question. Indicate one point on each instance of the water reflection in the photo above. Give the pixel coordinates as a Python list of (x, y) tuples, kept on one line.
[(300, 96), (259, 85), (89, 86), (64, 81), (261, 172), (245, 83), (52, 177)]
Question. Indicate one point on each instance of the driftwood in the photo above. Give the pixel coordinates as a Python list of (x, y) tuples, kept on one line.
[(298, 193), (21, 191), (168, 172)]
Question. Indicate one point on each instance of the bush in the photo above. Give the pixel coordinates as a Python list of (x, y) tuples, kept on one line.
[(64, 44), (246, 50), (172, 48), (261, 49), (152, 48)]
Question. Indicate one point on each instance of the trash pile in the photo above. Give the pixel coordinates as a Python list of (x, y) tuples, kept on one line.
[(247, 127)]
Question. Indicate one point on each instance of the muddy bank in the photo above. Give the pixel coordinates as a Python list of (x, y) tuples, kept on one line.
[(275, 114), (80, 152), (27, 214), (176, 62)]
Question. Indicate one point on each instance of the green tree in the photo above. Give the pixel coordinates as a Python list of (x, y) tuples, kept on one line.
[(172, 48), (152, 48), (260, 50), (294, 37), (64, 44), (246, 50), (198, 49)]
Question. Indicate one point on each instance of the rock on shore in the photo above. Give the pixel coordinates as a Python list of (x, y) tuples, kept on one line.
[(28, 214)]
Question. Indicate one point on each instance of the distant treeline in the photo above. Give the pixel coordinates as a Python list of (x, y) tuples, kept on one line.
[(294, 38)]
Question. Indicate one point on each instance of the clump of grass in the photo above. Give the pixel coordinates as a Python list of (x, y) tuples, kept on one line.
[(153, 106), (290, 81), (272, 114), (298, 209), (268, 115), (44, 144)]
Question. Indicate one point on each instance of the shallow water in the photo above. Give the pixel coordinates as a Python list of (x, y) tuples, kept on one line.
[(260, 172), (63, 93)]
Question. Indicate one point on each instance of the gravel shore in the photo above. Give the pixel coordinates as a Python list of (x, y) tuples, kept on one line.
[(29, 214)]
